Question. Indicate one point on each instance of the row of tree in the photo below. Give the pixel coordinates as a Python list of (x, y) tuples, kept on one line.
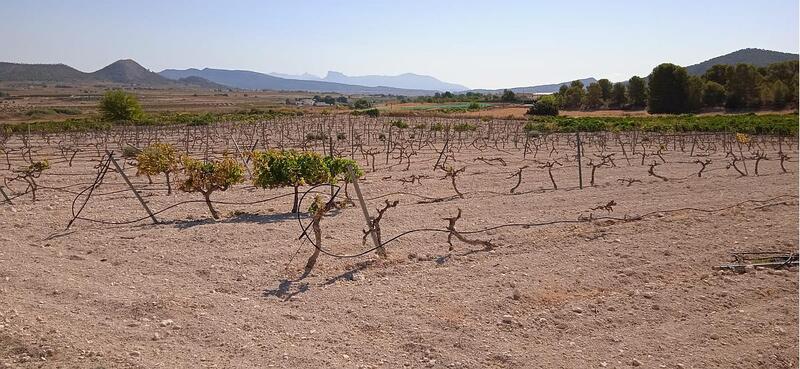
[(670, 89)]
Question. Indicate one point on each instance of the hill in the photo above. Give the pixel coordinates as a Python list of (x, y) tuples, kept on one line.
[(757, 57), (129, 72), (250, 80), (539, 89), (202, 83), (40, 73)]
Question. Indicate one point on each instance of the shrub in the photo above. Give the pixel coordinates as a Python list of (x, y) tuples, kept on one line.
[(399, 124), (211, 176), (474, 106), (546, 105), (362, 104), (275, 168), (464, 127), (372, 112), (120, 105), (156, 159)]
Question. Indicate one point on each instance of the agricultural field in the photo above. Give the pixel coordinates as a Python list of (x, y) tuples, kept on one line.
[(508, 244)]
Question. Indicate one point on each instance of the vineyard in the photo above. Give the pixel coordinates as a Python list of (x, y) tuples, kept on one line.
[(561, 242)]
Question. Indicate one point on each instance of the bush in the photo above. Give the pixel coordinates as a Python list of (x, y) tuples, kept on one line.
[(399, 124), (546, 105), (474, 106), (275, 168), (120, 105), (372, 112), (156, 159), (362, 104), (208, 177)]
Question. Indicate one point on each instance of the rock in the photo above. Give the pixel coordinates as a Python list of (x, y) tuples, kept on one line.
[(135, 353), (156, 336), (636, 362), (714, 336), (516, 295), (166, 323), (577, 310), (507, 319)]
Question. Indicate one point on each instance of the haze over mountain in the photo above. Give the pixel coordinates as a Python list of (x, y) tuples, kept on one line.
[(757, 57), (405, 80), (250, 80)]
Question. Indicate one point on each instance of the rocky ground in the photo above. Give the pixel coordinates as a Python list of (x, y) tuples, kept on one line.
[(192, 292)]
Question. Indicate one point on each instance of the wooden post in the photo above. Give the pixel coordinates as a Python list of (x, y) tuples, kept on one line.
[(5, 196), (128, 181), (580, 170), (364, 210)]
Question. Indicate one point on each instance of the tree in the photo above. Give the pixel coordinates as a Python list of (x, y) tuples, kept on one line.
[(618, 97), (508, 96), (341, 99), (713, 94), (594, 95), (637, 91), (605, 88), (362, 104), (545, 105), (156, 159), (210, 176), (120, 105), (780, 95), (669, 90), (719, 73), (742, 87), (695, 93), (574, 95), (275, 168)]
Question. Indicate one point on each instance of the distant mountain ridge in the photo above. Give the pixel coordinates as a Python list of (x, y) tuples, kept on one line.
[(406, 80), (539, 89), (757, 57), (124, 71), (250, 80)]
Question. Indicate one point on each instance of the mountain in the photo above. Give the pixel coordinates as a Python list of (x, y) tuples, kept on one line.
[(250, 80), (407, 80), (539, 89), (40, 72), (202, 83), (757, 57), (129, 72)]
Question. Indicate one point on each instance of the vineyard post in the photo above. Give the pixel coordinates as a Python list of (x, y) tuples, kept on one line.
[(128, 181), (580, 171), (354, 180)]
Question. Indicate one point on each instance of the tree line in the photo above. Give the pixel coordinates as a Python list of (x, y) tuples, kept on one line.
[(670, 89)]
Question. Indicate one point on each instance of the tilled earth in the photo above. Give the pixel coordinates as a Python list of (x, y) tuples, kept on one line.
[(192, 292)]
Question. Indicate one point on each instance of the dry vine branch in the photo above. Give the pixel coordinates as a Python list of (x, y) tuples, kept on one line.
[(490, 160), (453, 232), (517, 174), (629, 181), (652, 171), (376, 227), (452, 174), (319, 208), (759, 156), (609, 206), (549, 166), (704, 164), (784, 157)]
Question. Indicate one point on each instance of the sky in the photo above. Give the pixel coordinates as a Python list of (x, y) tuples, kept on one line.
[(480, 44)]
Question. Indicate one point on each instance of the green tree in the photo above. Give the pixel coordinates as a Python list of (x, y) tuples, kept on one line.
[(574, 95), (508, 96), (618, 97), (594, 96), (210, 176), (637, 91), (545, 105), (713, 94), (742, 87), (719, 73), (120, 105), (780, 94), (695, 93), (362, 104), (669, 90), (605, 88)]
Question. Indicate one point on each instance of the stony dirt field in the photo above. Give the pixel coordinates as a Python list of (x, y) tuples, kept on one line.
[(192, 292)]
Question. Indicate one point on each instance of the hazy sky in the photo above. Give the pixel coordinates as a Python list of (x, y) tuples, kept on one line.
[(481, 44)]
